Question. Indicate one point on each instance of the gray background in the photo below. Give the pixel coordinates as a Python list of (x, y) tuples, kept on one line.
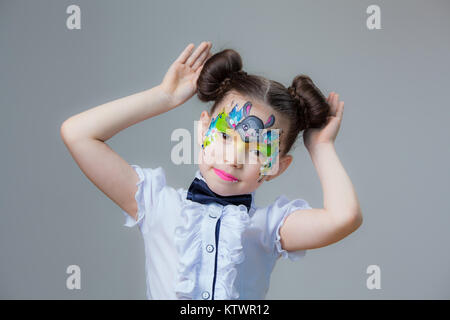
[(393, 140)]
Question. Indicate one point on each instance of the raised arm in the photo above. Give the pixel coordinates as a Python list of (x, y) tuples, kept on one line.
[(341, 214), (85, 134)]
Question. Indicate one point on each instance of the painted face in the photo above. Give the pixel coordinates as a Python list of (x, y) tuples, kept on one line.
[(252, 132)]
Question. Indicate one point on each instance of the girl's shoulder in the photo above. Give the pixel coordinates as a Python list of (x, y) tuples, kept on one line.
[(152, 195), (282, 204), (155, 179), (271, 217)]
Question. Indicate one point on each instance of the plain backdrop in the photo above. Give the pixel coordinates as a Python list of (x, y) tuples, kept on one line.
[(393, 141)]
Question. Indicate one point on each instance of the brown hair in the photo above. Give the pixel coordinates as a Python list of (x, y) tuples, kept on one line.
[(302, 104)]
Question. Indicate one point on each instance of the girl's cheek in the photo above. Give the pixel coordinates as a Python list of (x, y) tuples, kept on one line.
[(213, 153), (252, 172), (208, 155)]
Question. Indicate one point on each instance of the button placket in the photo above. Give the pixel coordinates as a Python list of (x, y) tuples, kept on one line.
[(207, 267)]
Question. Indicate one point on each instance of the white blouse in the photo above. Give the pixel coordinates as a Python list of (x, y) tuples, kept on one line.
[(189, 255)]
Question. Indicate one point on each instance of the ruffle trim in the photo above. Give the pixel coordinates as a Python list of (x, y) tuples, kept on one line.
[(139, 197), (188, 242), (292, 255), (293, 205), (230, 251)]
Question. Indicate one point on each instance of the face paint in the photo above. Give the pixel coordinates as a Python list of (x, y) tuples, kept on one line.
[(269, 150), (217, 126), (251, 129)]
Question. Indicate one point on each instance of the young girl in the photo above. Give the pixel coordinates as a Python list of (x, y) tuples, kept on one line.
[(211, 241)]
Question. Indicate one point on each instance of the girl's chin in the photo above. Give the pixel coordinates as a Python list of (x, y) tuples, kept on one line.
[(223, 188)]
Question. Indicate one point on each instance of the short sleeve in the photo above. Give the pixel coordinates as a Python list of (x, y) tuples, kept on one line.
[(277, 214), (150, 184)]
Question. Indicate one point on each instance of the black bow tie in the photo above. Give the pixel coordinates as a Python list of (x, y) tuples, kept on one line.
[(200, 192)]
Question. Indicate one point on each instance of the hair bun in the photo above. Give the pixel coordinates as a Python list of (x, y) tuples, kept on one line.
[(313, 109), (298, 99), (218, 73)]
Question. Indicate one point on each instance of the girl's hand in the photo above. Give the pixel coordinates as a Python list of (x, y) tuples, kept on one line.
[(180, 81), (328, 133)]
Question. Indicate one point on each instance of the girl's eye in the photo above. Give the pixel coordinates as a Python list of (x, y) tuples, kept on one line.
[(225, 136)]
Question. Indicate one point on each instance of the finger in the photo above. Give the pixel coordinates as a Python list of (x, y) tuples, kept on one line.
[(329, 97), (201, 67), (201, 59), (335, 104), (197, 74), (340, 111), (191, 60), (335, 99), (332, 97), (199, 70), (186, 53)]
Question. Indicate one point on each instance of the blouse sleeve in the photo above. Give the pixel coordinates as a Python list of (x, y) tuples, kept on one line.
[(150, 184), (277, 214)]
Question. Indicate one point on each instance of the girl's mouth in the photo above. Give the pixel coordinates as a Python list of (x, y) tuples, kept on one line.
[(225, 176)]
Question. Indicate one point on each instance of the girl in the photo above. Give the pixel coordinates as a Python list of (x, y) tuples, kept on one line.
[(211, 241)]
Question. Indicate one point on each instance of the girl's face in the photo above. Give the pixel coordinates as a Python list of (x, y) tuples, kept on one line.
[(233, 156)]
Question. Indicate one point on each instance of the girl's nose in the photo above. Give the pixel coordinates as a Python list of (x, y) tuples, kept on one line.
[(235, 153)]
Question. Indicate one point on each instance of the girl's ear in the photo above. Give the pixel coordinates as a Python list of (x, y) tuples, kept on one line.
[(203, 126), (283, 164)]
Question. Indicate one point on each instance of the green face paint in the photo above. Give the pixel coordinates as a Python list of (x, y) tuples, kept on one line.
[(269, 149), (251, 130), (217, 125)]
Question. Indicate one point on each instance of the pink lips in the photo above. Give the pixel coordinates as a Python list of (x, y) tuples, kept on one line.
[(225, 176)]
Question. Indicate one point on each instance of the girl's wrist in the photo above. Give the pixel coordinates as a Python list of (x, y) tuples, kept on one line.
[(316, 148), (168, 98)]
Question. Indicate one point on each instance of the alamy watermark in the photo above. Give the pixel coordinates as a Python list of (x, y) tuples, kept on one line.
[(374, 280), (73, 281), (373, 21), (74, 20), (226, 150)]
